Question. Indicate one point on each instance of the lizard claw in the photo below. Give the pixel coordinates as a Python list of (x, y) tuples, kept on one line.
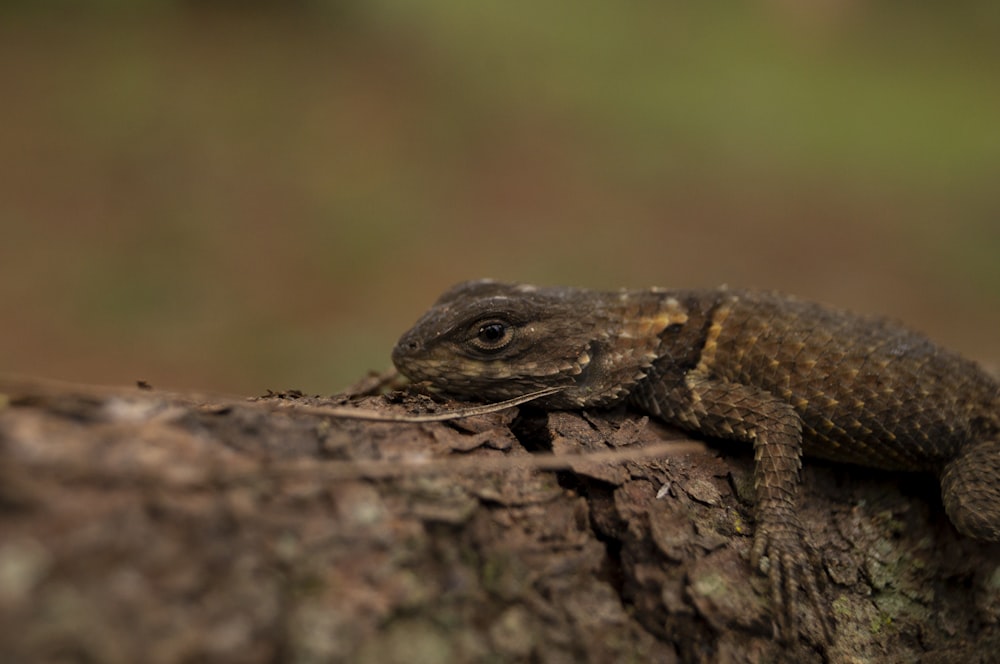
[(781, 552)]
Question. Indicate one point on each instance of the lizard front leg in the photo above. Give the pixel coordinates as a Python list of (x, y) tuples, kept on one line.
[(740, 412)]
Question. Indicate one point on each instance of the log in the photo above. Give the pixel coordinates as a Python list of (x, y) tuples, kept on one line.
[(140, 525)]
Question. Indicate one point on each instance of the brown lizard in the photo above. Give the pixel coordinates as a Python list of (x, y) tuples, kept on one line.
[(788, 376)]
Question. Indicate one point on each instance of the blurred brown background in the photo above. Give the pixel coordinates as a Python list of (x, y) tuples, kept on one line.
[(203, 195)]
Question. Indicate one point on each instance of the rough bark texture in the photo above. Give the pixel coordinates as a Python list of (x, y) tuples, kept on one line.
[(140, 526)]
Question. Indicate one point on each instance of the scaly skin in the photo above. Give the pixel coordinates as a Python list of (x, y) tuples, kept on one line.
[(787, 376)]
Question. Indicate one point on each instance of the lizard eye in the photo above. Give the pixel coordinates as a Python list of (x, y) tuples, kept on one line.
[(492, 335)]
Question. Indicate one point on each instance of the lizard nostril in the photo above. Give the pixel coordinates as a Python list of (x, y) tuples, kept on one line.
[(407, 347)]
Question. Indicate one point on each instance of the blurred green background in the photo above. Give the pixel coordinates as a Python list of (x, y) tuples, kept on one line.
[(236, 197)]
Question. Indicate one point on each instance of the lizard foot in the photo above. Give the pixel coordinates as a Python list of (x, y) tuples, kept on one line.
[(781, 552)]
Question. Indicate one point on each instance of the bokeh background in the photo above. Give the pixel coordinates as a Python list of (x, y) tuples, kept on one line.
[(242, 196)]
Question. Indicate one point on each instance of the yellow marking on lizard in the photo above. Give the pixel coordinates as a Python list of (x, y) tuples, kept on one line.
[(649, 327), (712, 339)]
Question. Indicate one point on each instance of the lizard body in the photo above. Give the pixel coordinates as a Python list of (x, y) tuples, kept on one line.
[(787, 376)]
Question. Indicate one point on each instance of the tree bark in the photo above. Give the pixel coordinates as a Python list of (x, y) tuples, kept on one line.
[(144, 526)]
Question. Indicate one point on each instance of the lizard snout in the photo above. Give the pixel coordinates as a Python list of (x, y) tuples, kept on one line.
[(408, 346)]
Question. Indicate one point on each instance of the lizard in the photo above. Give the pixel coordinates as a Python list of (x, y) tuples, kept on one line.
[(788, 376)]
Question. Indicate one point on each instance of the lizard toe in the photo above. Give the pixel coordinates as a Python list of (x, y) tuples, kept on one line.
[(790, 564)]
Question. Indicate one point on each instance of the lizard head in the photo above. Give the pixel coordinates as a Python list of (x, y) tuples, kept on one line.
[(486, 341)]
